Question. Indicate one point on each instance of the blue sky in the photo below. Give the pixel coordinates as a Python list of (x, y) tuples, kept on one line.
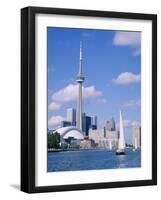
[(111, 66)]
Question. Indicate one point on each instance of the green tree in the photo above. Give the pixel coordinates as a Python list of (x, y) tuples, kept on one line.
[(54, 140)]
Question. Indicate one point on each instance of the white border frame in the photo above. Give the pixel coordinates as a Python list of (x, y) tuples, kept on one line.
[(44, 178)]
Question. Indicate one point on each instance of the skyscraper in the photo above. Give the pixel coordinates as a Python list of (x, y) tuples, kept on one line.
[(65, 123), (71, 116), (136, 136), (94, 122), (80, 80), (86, 123), (111, 134), (110, 125)]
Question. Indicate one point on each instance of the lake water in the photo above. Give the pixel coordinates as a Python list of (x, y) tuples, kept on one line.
[(92, 159)]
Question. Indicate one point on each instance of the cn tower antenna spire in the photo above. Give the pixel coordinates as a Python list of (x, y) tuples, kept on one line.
[(80, 50), (81, 59), (80, 80)]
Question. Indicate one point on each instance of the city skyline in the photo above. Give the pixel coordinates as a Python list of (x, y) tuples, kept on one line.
[(122, 87)]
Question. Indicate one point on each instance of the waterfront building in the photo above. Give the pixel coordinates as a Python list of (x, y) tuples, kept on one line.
[(66, 123), (110, 125), (86, 143), (112, 137), (70, 132), (136, 136), (97, 135), (71, 116), (104, 138), (80, 80)]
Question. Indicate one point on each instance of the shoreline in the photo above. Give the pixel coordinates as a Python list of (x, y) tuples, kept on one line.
[(83, 149)]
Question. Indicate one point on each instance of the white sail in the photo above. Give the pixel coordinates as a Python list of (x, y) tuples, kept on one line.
[(121, 142), (110, 145), (135, 146)]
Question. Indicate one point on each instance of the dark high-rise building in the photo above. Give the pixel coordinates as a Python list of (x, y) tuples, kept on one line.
[(65, 123), (86, 123), (94, 122)]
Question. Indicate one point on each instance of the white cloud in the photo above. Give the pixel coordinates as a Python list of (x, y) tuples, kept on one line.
[(127, 38), (55, 120), (70, 93), (128, 123), (135, 123), (54, 106), (132, 103), (131, 39), (127, 78)]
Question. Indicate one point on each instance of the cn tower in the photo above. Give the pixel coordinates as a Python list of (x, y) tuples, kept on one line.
[(80, 80)]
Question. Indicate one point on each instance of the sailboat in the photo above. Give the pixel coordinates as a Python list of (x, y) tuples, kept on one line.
[(121, 142), (135, 145)]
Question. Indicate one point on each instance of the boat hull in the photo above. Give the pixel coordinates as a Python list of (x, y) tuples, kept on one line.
[(118, 152)]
